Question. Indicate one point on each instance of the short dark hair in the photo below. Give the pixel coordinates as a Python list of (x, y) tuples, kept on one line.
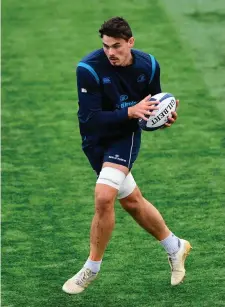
[(116, 27)]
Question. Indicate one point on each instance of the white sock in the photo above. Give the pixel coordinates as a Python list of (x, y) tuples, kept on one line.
[(171, 244), (94, 266)]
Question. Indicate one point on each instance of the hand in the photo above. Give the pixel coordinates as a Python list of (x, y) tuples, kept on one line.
[(143, 108), (171, 120)]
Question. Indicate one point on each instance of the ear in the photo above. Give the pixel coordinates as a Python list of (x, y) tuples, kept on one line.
[(131, 42)]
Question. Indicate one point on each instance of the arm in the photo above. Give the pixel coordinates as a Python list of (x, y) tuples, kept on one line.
[(90, 112), (155, 88), (90, 104), (155, 85)]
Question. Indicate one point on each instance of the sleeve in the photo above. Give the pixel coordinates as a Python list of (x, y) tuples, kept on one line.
[(90, 111), (154, 84)]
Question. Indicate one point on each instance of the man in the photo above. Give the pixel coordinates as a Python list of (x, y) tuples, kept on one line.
[(114, 86)]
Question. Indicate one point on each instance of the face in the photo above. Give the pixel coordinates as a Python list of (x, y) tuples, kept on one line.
[(118, 50)]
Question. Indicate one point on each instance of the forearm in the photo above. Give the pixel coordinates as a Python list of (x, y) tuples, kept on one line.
[(104, 119)]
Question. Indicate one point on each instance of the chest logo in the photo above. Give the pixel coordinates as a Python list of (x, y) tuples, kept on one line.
[(106, 80), (141, 78), (123, 97)]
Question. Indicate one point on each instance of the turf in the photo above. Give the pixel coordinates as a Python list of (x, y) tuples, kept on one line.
[(47, 190)]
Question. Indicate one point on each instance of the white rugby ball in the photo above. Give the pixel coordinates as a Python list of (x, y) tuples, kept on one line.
[(166, 106)]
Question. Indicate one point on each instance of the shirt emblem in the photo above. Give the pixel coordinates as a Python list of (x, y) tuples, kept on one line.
[(106, 80), (141, 78), (123, 97)]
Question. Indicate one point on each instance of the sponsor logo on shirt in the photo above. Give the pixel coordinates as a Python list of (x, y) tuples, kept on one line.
[(126, 104), (123, 98), (106, 80), (83, 90), (141, 78)]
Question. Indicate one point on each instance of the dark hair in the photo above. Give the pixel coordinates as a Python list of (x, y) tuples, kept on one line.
[(116, 27)]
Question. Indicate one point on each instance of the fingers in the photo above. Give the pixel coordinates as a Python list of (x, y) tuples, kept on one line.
[(167, 125), (147, 97), (146, 108), (151, 108), (152, 102), (171, 120), (145, 114), (174, 115), (143, 117), (177, 103)]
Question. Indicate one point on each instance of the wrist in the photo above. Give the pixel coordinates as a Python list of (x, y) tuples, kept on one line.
[(130, 112)]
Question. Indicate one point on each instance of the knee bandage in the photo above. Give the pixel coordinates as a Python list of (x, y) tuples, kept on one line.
[(112, 177), (127, 187)]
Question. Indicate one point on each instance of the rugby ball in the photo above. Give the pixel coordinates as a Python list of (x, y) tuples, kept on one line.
[(166, 106)]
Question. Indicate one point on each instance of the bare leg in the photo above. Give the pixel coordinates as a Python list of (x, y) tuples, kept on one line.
[(103, 221), (145, 214), (101, 230), (104, 218)]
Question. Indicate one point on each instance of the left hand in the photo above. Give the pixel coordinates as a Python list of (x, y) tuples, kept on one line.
[(171, 120)]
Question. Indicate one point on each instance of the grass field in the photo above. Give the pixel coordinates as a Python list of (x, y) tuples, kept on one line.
[(47, 191)]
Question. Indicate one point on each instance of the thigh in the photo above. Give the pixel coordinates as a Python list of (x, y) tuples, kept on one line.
[(124, 151)]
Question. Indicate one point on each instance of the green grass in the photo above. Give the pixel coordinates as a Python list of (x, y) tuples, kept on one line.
[(48, 185)]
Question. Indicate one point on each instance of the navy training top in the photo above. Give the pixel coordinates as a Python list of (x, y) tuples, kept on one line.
[(105, 92)]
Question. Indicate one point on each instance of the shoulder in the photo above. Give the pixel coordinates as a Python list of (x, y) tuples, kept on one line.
[(94, 56), (144, 58), (148, 62), (91, 63)]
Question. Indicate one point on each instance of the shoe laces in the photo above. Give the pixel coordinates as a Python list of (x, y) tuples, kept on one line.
[(173, 261), (83, 277)]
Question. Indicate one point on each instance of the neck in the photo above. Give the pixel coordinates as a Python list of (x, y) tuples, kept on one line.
[(128, 61)]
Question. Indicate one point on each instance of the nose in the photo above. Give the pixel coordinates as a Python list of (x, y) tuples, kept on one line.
[(111, 52)]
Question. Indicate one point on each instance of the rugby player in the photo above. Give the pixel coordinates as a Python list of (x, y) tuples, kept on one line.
[(114, 86)]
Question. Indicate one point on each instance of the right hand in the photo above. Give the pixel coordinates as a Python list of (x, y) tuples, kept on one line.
[(143, 108)]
